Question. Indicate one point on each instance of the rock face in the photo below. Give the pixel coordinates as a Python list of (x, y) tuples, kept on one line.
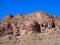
[(37, 28)]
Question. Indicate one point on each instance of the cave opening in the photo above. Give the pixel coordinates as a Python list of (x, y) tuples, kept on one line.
[(53, 24), (37, 28)]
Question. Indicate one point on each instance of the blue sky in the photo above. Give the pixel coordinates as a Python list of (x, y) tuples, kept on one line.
[(28, 6)]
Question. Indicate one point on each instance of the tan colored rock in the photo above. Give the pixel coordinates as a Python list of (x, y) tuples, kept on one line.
[(15, 30), (37, 28), (30, 26), (18, 19), (7, 18)]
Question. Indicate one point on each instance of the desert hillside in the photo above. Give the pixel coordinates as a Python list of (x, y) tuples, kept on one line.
[(38, 28)]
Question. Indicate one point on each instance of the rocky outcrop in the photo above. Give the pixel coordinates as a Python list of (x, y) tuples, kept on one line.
[(31, 29), (17, 22)]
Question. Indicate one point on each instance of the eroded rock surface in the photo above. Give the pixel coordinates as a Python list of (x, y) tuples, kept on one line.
[(37, 28)]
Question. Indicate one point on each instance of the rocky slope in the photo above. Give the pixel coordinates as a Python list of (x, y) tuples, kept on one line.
[(37, 28)]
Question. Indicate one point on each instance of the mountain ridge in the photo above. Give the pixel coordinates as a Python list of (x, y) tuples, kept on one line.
[(36, 27)]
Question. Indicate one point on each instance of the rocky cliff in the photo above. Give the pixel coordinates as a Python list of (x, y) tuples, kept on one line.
[(37, 28)]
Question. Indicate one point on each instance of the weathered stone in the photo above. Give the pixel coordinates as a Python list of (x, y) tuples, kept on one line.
[(37, 28), (30, 26)]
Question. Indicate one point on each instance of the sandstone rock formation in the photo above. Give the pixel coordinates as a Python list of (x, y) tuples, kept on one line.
[(37, 28)]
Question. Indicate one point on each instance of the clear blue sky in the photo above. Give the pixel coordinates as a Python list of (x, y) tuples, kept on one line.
[(28, 6)]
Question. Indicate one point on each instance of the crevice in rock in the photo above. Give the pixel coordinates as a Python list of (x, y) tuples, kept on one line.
[(53, 24), (37, 27)]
